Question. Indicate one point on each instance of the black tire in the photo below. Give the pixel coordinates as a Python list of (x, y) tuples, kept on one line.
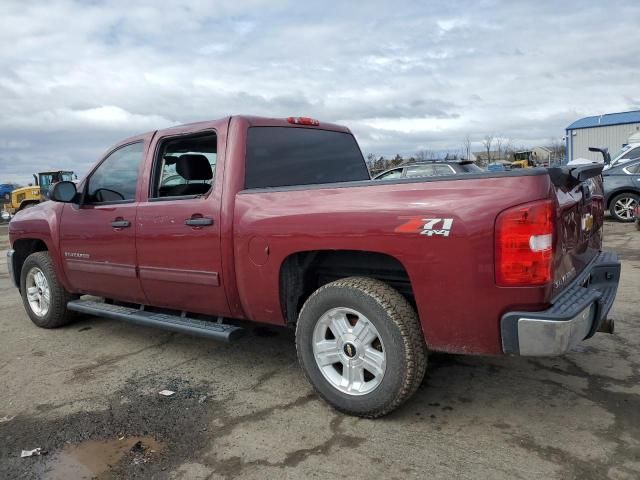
[(634, 197), (57, 314), (399, 330)]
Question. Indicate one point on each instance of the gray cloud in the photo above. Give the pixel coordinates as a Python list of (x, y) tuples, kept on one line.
[(77, 76)]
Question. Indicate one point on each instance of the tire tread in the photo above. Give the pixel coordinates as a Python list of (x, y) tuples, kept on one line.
[(400, 311)]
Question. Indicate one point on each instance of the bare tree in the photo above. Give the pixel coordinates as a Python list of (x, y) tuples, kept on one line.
[(558, 151), (371, 162), (466, 147), (487, 142), (498, 141), (424, 155)]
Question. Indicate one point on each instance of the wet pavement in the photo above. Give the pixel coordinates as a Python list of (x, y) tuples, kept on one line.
[(87, 394)]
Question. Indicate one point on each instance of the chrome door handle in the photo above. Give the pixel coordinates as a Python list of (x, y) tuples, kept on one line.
[(120, 224), (199, 222)]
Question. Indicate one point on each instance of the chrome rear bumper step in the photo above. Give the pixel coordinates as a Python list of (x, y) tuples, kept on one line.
[(175, 323)]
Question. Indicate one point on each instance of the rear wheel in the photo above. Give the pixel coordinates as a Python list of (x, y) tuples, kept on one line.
[(360, 345), (44, 298), (623, 206)]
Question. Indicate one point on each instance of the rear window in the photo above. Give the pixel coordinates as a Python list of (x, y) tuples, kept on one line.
[(283, 156), (470, 168)]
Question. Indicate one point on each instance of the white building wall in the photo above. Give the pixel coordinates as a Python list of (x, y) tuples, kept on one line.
[(612, 137)]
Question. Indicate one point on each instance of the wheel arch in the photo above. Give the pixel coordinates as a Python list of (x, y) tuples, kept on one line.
[(303, 272), (23, 247), (619, 191)]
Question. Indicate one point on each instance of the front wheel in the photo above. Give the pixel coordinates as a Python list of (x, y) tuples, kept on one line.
[(44, 298), (360, 345), (623, 206)]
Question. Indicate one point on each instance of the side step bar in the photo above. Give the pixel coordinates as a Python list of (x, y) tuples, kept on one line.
[(217, 331)]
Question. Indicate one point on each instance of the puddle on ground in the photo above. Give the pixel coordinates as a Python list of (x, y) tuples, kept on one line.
[(95, 458)]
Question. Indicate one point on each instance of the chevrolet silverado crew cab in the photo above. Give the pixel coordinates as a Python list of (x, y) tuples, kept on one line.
[(277, 221)]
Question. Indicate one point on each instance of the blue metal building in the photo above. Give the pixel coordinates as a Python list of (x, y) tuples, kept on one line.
[(611, 130)]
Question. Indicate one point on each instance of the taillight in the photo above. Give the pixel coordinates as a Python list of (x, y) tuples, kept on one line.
[(303, 121), (524, 244)]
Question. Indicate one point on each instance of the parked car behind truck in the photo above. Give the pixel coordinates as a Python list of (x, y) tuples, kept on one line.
[(622, 190), (276, 221)]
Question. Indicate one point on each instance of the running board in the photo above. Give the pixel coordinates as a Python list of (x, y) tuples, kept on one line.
[(217, 331)]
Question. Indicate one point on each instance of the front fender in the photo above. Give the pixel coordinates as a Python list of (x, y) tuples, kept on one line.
[(39, 223)]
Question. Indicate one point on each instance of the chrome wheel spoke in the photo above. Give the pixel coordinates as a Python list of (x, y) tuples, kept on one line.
[(38, 292), (327, 353), (32, 293), (349, 354), (352, 377), (339, 325), (374, 361), (364, 332)]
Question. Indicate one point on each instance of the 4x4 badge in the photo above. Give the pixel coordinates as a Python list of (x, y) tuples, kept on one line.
[(426, 226)]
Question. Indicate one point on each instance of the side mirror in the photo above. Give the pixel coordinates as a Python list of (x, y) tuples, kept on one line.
[(64, 192)]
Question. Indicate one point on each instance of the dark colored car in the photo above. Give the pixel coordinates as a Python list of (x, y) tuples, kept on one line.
[(429, 169), (278, 221), (622, 190)]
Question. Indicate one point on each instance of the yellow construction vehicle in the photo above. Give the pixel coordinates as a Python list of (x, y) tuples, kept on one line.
[(523, 160), (26, 197)]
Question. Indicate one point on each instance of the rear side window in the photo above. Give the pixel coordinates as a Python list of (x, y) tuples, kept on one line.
[(443, 170), (283, 156), (470, 168), (633, 169), (186, 166), (397, 173), (421, 171)]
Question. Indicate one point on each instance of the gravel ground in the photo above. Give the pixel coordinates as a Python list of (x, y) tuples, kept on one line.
[(87, 394)]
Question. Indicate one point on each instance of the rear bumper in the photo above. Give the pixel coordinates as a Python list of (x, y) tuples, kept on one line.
[(575, 315)]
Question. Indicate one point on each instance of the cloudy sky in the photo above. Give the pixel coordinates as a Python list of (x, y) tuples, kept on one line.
[(76, 76)]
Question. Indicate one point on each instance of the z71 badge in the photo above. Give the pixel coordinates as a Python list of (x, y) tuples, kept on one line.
[(426, 226)]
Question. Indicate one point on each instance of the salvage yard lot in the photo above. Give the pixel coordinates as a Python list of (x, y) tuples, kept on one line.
[(88, 392)]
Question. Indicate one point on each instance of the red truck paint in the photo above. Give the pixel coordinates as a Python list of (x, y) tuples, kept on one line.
[(233, 268)]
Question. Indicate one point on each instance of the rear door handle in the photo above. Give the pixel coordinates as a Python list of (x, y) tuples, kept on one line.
[(120, 223), (199, 222)]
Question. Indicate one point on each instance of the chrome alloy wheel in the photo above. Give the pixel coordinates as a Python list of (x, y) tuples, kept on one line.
[(625, 207), (349, 351), (38, 292)]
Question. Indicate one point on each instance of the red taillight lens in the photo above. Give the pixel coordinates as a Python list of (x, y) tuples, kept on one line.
[(303, 121), (524, 245)]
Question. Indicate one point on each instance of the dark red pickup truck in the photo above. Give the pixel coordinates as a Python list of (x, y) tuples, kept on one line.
[(277, 221)]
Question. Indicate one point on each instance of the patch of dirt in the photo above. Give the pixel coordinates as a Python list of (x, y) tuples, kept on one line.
[(140, 435)]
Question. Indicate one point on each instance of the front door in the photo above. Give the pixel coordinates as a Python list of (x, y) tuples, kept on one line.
[(178, 234), (97, 237)]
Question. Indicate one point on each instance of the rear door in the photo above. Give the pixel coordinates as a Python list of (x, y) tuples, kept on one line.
[(179, 228), (97, 237)]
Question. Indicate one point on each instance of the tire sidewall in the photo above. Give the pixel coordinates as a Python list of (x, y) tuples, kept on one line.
[(31, 262), (392, 340), (612, 208)]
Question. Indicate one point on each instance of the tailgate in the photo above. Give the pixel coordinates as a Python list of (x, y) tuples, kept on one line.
[(579, 220)]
